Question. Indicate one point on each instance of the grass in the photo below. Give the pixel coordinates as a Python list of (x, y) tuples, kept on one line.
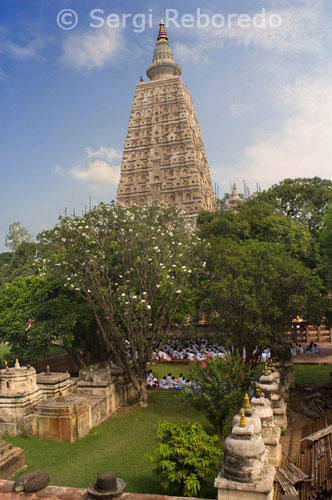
[(161, 369), (4, 350), (312, 373), (54, 350), (117, 445)]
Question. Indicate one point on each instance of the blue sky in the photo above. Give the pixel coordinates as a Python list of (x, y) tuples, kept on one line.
[(263, 96)]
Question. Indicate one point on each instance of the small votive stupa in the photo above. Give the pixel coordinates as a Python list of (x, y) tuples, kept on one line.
[(274, 392), (246, 473), (270, 432)]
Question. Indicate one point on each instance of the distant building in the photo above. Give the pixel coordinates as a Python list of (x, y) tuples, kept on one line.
[(164, 157), (234, 200)]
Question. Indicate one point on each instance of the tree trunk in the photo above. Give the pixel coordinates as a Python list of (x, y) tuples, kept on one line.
[(143, 396)]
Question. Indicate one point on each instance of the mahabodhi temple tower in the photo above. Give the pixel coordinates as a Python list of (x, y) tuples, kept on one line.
[(164, 157)]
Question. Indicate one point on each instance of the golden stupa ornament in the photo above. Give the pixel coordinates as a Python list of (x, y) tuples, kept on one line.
[(246, 401), (162, 35), (242, 419), (266, 370)]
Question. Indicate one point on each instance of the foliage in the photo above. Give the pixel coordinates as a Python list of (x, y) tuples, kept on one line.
[(260, 221), (303, 199), (218, 388), (17, 234), (133, 267), (22, 262), (5, 258), (186, 455), (37, 310), (253, 290)]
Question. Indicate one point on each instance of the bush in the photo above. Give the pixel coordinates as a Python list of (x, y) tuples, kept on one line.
[(218, 388), (187, 455)]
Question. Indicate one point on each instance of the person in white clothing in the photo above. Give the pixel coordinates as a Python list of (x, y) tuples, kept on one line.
[(151, 380)]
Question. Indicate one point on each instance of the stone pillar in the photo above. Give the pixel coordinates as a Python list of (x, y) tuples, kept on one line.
[(270, 432), (318, 334), (245, 474)]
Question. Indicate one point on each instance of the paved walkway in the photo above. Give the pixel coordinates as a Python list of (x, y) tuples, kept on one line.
[(325, 355)]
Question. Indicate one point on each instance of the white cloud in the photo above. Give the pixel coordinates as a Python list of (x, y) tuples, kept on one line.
[(100, 167), (98, 172), (301, 145), (33, 43), (92, 49), (303, 29), (103, 153)]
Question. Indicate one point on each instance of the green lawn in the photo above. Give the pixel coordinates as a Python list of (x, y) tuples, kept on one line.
[(161, 369), (54, 350), (4, 350), (118, 445), (312, 373)]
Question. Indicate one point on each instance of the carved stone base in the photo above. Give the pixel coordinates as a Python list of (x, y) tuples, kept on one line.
[(11, 460), (231, 490)]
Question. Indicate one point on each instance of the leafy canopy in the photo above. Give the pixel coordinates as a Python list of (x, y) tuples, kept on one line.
[(218, 388), (187, 455), (133, 267), (17, 234)]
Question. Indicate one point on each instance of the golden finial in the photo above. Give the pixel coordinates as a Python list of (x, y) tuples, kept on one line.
[(258, 391), (246, 401), (266, 370), (162, 35), (48, 369), (242, 419), (6, 366)]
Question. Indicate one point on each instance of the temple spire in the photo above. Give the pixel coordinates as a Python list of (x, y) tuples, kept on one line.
[(162, 35), (163, 65)]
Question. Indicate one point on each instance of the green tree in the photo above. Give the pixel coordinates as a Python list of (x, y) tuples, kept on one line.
[(187, 455), (133, 266), (326, 271), (17, 234), (253, 291), (261, 221), (303, 199), (35, 311), (218, 388)]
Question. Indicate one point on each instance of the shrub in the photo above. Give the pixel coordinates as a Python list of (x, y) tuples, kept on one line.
[(218, 388), (187, 455)]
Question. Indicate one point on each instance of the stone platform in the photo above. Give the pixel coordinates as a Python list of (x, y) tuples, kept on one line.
[(11, 460), (59, 407)]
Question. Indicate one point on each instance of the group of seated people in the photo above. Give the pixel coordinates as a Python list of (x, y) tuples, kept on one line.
[(195, 350), (167, 381), (310, 349)]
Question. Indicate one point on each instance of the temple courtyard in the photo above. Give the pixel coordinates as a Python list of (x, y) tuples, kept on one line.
[(110, 445)]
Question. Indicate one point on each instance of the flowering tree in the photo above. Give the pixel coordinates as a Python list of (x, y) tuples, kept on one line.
[(133, 267)]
